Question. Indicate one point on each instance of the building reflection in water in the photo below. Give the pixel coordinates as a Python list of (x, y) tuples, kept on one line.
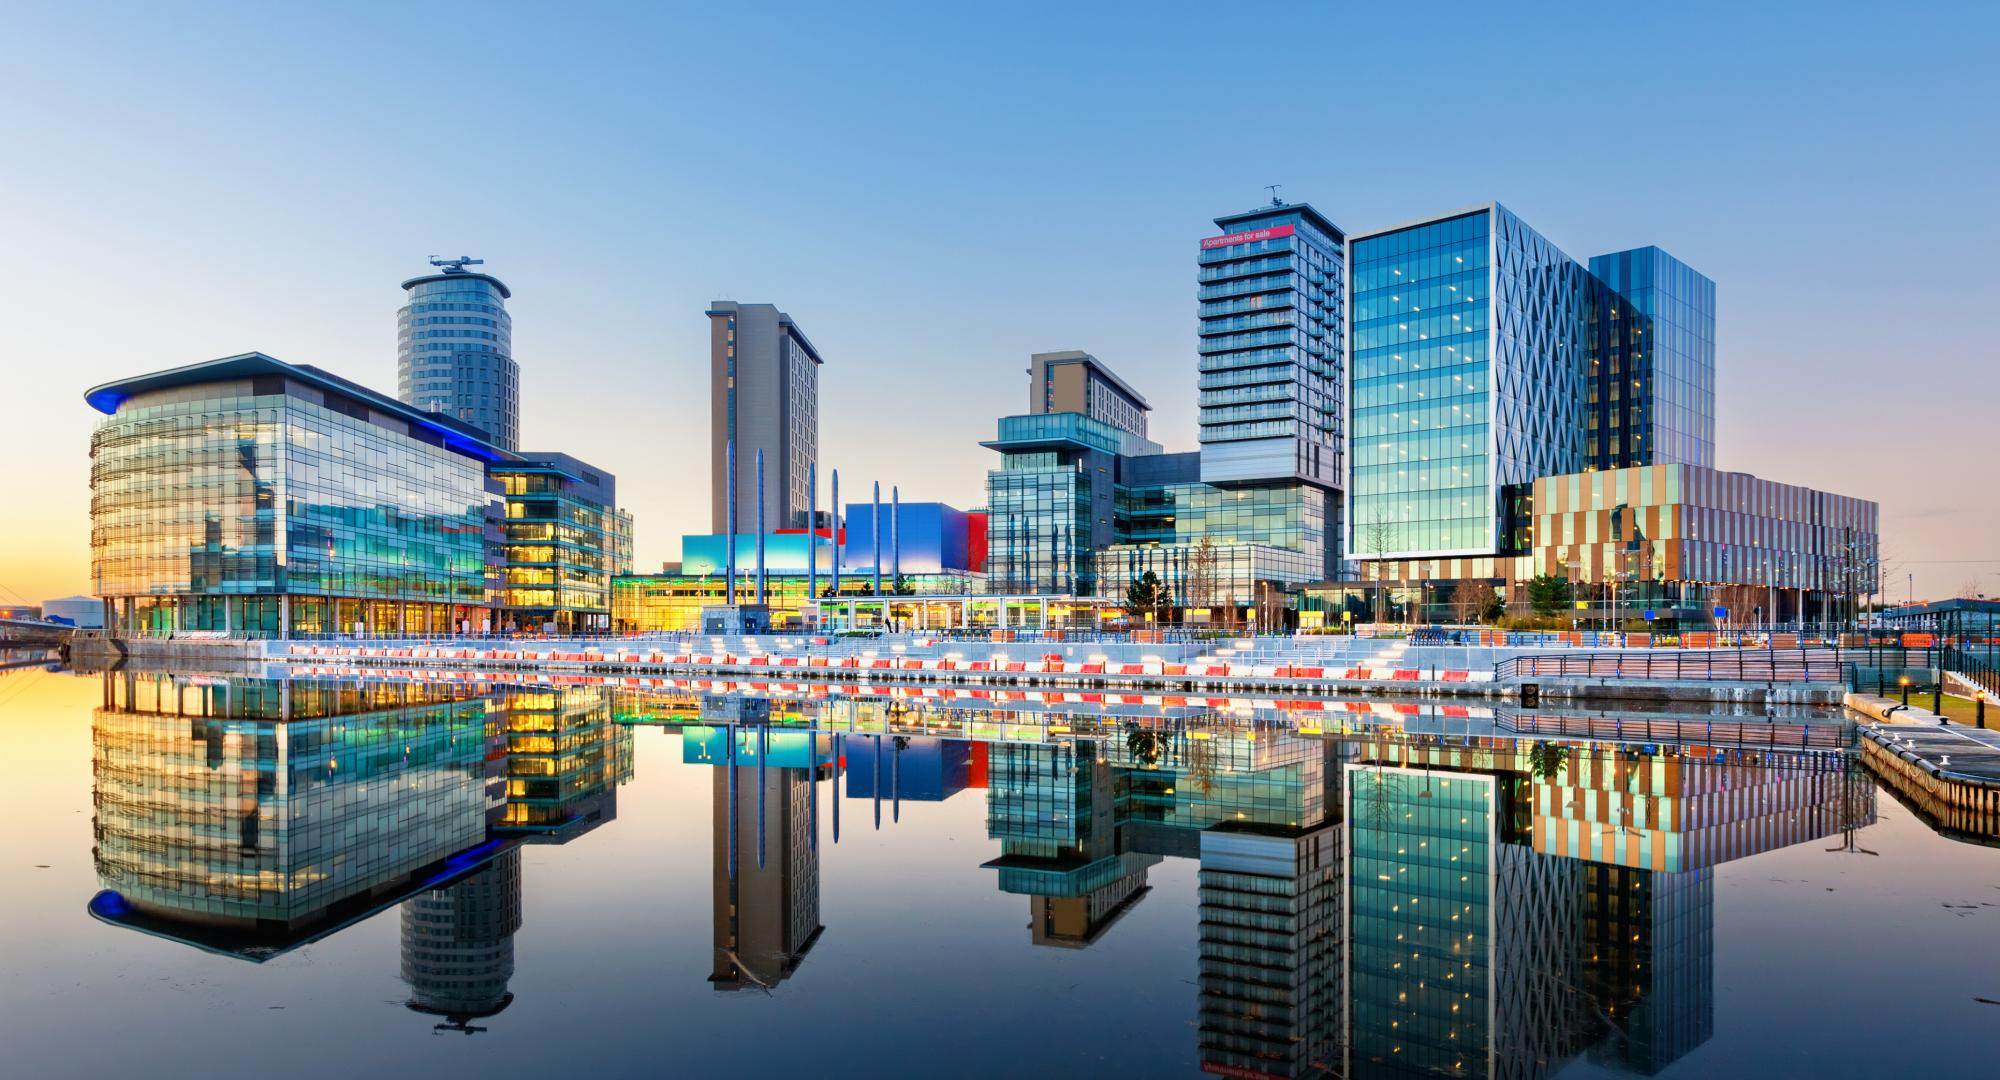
[(458, 945), (1378, 901), (251, 816), (1054, 809), (1394, 904), (1513, 906), (565, 755), (764, 821), (562, 757)]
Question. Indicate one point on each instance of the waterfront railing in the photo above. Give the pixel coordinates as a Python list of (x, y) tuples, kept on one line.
[(1734, 665)]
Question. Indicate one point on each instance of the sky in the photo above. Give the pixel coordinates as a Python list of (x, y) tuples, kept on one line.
[(936, 191)]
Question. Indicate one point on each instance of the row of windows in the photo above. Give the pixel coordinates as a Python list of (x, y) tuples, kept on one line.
[(1442, 323), (420, 335), (457, 346), (490, 309)]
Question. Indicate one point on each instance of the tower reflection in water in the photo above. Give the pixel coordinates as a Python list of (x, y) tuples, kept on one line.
[(765, 825), (249, 817), (1375, 901), (562, 757), (1381, 902)]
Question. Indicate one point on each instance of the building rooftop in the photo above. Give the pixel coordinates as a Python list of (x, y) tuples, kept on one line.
[(1070, 429), (459, 436), (1305, 210), (730, 307), (1078, 356), (1476, 208), (563, 464), (505, 293)]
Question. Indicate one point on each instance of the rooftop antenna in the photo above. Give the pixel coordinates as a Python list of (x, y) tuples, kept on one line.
[(1272, 188), (458, 265)]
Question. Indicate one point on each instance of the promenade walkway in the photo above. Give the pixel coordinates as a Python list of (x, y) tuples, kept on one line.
[(1951, 772)]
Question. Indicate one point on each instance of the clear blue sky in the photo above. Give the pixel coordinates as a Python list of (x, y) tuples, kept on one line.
[(936, 193)]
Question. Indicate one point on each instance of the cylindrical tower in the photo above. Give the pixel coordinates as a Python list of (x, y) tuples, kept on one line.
[(455, 350)]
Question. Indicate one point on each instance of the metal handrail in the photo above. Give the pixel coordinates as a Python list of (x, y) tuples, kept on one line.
[(1738, 665)]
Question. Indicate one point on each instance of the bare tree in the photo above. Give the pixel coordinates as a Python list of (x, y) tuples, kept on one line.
[(1198, 577), (1270, 607), (1889, 565), (1467, 597), (1383, 533)]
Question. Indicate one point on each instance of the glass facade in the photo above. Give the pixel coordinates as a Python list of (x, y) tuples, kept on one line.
[(1468, 338), (260, 498), (654, 603), (1081, 507), (564, 538), (455, 353), (1485, 359), (566, 756), (1051, 503), (1271, 311), (1290, 516), (1041, 529), (1652, 385), (1421, 882), (1273, 534), (265, 803)]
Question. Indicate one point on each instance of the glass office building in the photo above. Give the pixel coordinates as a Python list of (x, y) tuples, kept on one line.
[(1485, 359), (455, 351), (1082, 505), (256, 498), (1651, 393), (1469, 337), (1271, 351), (1051, 503), (564, 539), (1212, 546)]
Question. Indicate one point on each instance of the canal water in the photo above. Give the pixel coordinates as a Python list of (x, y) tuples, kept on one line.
[(206, 875)]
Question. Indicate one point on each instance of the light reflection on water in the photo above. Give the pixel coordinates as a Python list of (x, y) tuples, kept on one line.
[(584, 876)]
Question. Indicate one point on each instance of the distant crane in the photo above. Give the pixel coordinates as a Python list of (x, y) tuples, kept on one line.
[(458, 265)]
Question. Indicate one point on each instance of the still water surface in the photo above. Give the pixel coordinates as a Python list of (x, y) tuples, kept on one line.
[(340, 878)]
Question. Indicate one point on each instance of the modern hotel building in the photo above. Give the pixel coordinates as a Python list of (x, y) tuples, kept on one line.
[(1075, 381), (763, 395)]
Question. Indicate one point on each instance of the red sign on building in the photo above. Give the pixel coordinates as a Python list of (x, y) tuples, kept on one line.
[(1253, 235)]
